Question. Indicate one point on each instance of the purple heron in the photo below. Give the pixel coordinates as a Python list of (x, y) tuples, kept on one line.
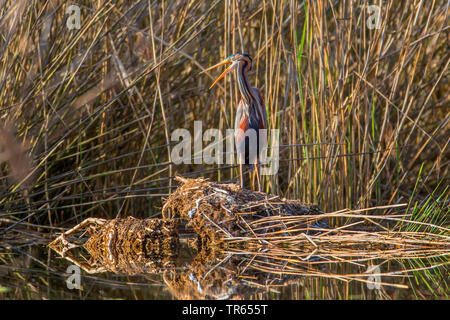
[(251, 113)]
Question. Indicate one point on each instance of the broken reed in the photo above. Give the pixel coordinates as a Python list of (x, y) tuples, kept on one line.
[(326, 253), (364, 230)]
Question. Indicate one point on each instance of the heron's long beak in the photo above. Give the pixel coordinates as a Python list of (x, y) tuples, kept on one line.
[(226, 61)]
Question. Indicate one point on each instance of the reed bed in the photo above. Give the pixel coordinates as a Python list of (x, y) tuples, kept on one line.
[(361, 111), (86, 115)]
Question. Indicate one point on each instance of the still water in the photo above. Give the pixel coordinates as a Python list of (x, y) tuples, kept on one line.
[(37, 272)]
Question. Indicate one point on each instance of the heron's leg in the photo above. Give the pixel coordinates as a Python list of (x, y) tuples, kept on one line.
[(251, 175), (257, 175), (241, 170), (241, 175)]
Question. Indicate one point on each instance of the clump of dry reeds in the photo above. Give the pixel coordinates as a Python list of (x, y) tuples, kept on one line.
[(131, 246), (217, 210)]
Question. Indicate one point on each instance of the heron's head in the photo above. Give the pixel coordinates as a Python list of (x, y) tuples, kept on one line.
[(232, 62)]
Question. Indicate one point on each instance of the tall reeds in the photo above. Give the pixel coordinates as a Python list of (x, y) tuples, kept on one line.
[(361, 110)]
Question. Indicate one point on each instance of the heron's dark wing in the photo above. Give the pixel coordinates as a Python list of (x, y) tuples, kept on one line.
[(262, 107)]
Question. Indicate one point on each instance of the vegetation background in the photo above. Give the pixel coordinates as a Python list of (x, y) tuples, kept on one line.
[(86, 115)]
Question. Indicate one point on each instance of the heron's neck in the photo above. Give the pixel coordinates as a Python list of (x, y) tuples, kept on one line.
[(244, 85)]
